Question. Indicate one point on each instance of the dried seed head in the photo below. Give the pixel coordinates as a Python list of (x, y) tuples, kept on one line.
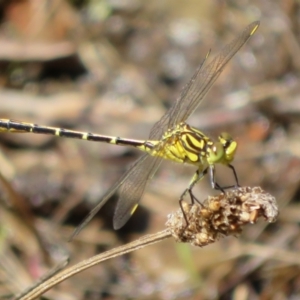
[(221, 215)]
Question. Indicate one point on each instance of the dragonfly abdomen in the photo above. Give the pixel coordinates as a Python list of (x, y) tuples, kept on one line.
[(7, 125)]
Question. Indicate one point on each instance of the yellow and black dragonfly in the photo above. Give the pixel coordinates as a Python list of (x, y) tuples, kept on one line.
[(170, 138)]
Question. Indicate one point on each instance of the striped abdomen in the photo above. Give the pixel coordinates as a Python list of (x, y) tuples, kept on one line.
[(7, 125)]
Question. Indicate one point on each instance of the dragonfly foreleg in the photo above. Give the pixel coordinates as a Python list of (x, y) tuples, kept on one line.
[(216, 186)]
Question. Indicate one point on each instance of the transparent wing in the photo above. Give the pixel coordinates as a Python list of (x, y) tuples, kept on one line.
[(164, 123), (132, 189), (132, 185), (200, 83)]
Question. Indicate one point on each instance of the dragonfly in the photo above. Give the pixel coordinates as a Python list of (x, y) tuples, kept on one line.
[(170, 138)]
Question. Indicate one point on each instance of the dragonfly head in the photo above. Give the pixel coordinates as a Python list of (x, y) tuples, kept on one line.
[(222, 151), (229, 146)]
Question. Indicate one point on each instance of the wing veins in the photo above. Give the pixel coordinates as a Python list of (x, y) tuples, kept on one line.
[(108, 194), (133, 188), (200, 83)]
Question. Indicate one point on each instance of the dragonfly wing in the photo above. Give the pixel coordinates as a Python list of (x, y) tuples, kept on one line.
[(109, 193), (206, 76), (133, 188), (167, 120), (200, 83)]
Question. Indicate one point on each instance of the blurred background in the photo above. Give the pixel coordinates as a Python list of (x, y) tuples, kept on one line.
[(114, 67)]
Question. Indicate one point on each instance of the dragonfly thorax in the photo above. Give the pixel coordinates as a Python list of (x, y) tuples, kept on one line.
[(186, 144)]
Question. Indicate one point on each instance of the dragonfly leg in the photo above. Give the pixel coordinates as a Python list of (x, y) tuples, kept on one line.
[(216, 186), (197, 177), (235, 176)]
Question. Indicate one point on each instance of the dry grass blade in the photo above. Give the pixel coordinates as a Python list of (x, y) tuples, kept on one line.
[(217, 217)]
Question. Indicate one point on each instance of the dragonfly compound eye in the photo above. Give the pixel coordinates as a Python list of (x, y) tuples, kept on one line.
[(229, 146)]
